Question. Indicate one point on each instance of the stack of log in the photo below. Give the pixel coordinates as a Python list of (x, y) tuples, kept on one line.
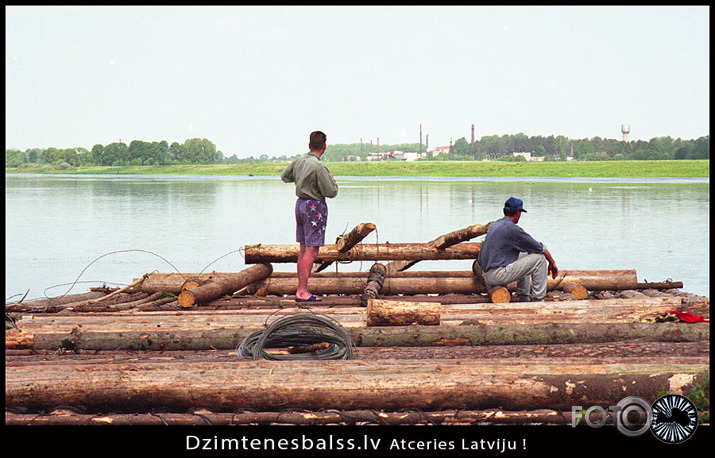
[(431, 346)]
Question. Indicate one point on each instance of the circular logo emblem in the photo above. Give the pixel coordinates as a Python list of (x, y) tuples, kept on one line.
[(633, 416), (675, 418)]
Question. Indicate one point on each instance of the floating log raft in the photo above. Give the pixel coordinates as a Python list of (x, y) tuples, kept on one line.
[(430, 347), (255, 254)]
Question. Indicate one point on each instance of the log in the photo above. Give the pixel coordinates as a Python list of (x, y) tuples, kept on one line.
[(397, 283), (224, 286), (614, 279), (511, 384), (441, 242), (357, 285), (596, 351), (402, 313), (372, 252), (461, 235), (95, 307), (52, 303), (349, 240), (198, 417), (499, 295), (352, 238), (226, 338), (375, 280), (576, 289), (192, 282), (119, 291)]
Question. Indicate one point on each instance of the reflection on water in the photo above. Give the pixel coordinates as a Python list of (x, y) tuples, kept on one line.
[(56, 226)]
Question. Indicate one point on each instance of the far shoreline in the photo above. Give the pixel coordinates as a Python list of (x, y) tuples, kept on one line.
[(436, 169)]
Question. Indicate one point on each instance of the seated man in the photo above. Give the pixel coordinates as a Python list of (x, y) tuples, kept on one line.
[(509, 254)]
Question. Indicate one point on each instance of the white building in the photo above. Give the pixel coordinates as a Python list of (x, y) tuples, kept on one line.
[(529, 157)]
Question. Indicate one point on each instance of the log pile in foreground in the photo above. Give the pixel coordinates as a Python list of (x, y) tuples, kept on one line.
[(432, 347)]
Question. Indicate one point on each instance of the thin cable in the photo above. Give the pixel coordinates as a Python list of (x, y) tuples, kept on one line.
[(220, 257), (107, 254), (299, 330)]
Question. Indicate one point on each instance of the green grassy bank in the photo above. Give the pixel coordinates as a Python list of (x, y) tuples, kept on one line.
[(596, 169)]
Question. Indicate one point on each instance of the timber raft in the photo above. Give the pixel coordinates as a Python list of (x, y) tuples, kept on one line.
[(428, 347)]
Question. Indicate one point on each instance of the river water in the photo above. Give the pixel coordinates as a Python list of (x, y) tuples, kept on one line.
[(66, 233)]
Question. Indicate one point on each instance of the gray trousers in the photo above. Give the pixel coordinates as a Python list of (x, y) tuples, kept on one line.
[(530, 272)]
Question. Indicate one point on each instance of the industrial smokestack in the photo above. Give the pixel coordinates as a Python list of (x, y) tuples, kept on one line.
[(420, 140)]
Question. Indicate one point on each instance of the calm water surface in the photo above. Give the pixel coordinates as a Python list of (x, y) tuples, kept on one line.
[(112, 229)]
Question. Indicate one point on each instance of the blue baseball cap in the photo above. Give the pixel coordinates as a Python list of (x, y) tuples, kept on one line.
[(514, 204)]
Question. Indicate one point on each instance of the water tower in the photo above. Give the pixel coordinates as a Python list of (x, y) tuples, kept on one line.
[(626, 129)]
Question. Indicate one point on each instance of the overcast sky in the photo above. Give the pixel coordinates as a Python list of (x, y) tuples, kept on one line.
[(258, 80)]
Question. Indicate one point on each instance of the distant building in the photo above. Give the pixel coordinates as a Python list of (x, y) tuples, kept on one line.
[(440, 150), (528, 156), (396, 156)]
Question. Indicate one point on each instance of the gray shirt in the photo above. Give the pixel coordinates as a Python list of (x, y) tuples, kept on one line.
[(503, 243), (312, 178)]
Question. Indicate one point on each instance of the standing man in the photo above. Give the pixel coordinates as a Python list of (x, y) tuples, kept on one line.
[(509, 254), (313, 183)]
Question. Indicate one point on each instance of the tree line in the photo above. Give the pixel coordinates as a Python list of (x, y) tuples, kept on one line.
[(595, 149), (192, 151), (494, 147)]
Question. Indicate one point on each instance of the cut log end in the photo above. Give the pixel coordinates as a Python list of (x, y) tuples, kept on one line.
[(499, 295), (577, 290), (186, 299)]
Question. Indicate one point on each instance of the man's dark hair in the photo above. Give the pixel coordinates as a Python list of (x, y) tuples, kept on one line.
[(317, 140), (510, 212)]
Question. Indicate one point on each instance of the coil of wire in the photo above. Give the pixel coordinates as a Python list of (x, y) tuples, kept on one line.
[(296, 331)]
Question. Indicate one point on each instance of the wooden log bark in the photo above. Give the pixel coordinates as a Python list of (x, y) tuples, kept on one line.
[(349, 240), (115, 307), (224, 286), (193, 282), (202, 417), (120, 290), (461, 235), (52, 304), (441, 242), (355, 236), (400, 283), (402, 313), (375, 280), (615, 279), (612, 350), (605, 312), (357, 285), (368, 252), (319, 385), (226, 338)]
